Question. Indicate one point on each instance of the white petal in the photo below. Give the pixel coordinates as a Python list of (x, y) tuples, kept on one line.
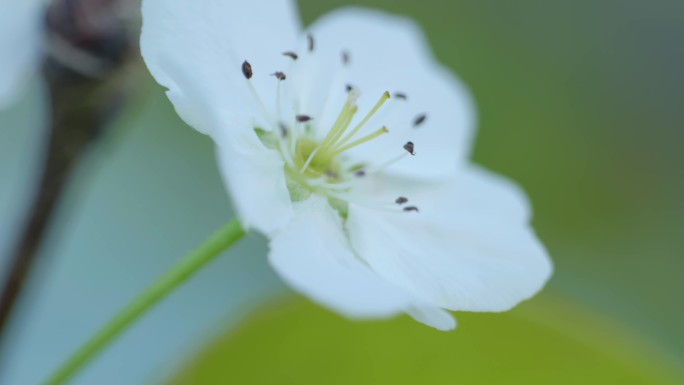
[(19, 57), (388, 53), (196, 49), (439, 319), (313, 256), (469, 248), (256, 181)]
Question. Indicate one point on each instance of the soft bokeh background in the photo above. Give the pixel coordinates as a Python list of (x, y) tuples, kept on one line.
[(580, 102)]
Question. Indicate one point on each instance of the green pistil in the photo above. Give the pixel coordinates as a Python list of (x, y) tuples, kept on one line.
[(319, 165)]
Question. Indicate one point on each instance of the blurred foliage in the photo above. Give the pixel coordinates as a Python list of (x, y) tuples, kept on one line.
[(543, 342)]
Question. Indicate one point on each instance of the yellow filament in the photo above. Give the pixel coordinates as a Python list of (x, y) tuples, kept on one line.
[(343, 119), (359, 141), (331, 145), (365, 120)]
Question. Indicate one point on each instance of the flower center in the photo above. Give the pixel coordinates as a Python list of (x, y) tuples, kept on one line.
[(319, 166), (315, 159), (315, 165)]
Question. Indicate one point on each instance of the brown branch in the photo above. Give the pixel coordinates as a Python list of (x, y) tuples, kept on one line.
[(85, 70)]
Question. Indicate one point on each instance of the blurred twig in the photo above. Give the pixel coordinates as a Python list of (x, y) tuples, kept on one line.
[(87, 50)]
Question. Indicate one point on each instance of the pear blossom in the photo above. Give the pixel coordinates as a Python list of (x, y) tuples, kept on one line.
[(20, 44), (347, 144)]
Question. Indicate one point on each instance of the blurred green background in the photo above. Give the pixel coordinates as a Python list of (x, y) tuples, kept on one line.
[(580, 102)]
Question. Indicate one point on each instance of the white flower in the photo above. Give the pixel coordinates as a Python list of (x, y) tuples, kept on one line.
[(315, 133), (20, 43)]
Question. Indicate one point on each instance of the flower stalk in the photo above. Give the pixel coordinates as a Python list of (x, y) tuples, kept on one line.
[(223, 239)]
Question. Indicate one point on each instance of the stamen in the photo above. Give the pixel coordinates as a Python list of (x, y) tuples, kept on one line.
[(386, 164), (401, 200), (322, 183), (345, 57), (356, 167), (303, 118), (358, 170), (279, 115), (294, 136), (343, 119), (339, 73), (286, 155), (283, 130), (348, 87), (279, 75), (411, 208), (355, 200), (282, 145), (331, 174), (291, 55), (310, 39), (365, 120), (400, 95), (359, 141), (409, 148), (247, 69), (309, 159), (420, 119)]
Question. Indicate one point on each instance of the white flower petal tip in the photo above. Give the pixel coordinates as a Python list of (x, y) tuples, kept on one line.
[(469, 249), (439, 319), (348, 145), (313, 255), (196, 53)]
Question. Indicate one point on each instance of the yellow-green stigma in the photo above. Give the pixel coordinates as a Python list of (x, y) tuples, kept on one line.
[(311, 165)]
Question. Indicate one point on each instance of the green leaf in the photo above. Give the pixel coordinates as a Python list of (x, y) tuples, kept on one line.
[(545, 341)]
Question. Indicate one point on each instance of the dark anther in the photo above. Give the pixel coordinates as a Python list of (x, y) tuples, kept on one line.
[(279, 75), (401, 200), (360, 173), (348, 87), (310, 39), (291, 54), (420, 119), (411, 208), (400, 95), (331, 174), (283, 129), (303, 118), (409, 147), (345, 57), (247, 70)]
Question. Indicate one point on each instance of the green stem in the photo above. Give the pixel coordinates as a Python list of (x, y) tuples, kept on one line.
[(170, 280)]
